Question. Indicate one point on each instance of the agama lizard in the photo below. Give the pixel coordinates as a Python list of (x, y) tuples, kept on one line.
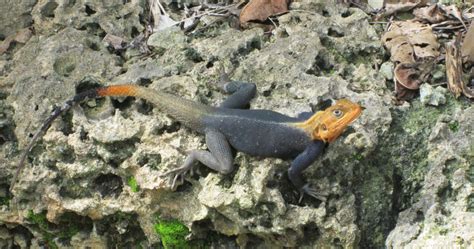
[(255, 132)]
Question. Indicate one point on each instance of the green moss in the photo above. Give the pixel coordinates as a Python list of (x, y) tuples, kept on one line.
[(192, 54), (454, 126), (68, 225), (172, 234), (132, 182), (38, 219), (5, 201), (44, 227), (470, 203), (358, 157), (396, 169)]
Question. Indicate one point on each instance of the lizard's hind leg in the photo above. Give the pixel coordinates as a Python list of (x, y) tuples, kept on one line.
[(242, 93), (219, 157)]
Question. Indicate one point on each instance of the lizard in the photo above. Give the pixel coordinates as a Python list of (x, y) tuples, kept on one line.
[(262, 133)]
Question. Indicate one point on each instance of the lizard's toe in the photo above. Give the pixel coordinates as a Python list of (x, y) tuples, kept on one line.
[(176, 174), (313, 193)]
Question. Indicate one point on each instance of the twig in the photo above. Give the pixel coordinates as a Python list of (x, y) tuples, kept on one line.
[(215, 11), (379, 22)]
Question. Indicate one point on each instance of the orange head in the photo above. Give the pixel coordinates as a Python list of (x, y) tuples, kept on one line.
[(327, 125)]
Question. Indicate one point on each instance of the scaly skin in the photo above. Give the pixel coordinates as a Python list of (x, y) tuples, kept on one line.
[(255, 132)]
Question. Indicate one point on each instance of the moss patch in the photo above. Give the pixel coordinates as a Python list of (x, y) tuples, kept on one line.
[(69, 225), (454, 126), (5, 201), (470, 175), (132, 183), (172, 233), (392, 176)]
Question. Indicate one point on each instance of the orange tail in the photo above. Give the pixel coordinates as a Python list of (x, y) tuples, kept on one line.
[(118, 90)]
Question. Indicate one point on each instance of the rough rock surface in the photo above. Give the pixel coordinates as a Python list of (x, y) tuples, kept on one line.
[(442, 214), (402, 176), (432, 96), (16, 14)]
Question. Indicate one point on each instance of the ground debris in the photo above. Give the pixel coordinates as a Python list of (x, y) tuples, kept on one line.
[(413, 48), (467, 48), (260, 10), (394, 6), (456, 82)]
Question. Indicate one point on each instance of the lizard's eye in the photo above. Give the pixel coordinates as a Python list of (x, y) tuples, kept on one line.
[(324, 127), (337, 113)]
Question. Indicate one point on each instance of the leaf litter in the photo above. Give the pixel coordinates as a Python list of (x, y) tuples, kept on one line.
[(413, 48), (414, 45)]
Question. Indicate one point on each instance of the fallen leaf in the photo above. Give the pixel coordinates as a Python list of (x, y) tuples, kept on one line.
[(407, 76), (260, 10), (453, 11), (410, 41), (406, 81), (467, 48), (21, 36), (393, 6), (402, 93), (431, 14), (413, 47), (456, 83)]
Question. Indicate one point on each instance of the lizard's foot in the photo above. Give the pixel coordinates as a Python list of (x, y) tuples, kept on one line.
[(178, 173), (306, 189)]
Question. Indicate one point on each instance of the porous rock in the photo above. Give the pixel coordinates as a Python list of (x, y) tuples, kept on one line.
[(104, 160)]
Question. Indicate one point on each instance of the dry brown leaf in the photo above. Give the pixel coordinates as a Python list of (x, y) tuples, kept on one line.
[(406, 81), (260, 10), (456, 83), (453, 68), (467, 48), (407, 76), (431, 14), (413, 47), (402, 93), (393, 6), (21, 36), (453, 11), (419, 37)]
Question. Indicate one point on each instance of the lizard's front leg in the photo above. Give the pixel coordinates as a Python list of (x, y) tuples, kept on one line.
[(219, 157), (300, 163)]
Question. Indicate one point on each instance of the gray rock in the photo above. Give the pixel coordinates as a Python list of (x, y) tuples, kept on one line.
[(49, 76), (114, 17), (15, 15), (439, 217), (104, 161), (432, 96), (439, 72), (386, 69), (170, 38)]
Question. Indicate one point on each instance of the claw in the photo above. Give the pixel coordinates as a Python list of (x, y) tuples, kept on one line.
[(177, 173), (313, 193)]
